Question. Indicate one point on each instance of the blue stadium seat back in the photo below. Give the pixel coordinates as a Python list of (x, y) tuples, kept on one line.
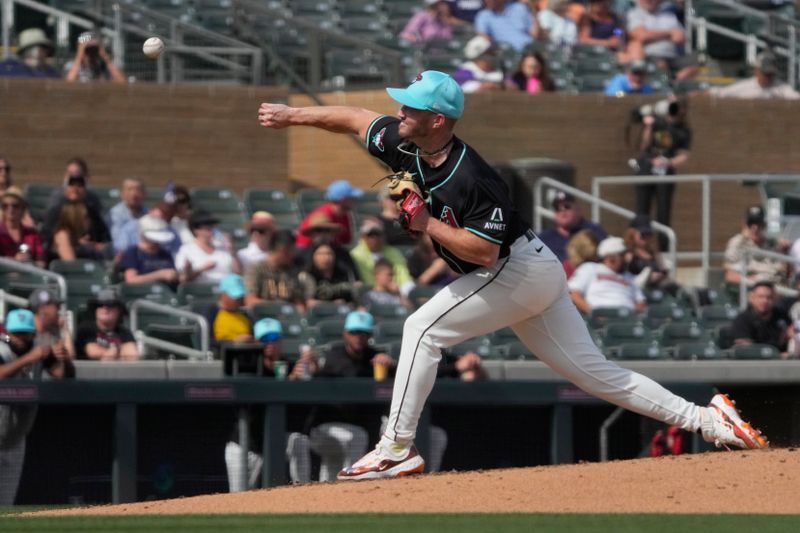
[(687, 351), (479, 345), (516, 350), (389, 331), (195, 291), (758, 352), (422, 293), (326, 310), (641, 351), (277, 310), (329, 330), (674, 332)]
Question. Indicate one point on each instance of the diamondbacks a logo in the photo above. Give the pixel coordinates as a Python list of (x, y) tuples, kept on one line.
[(496, 222), (497, 215), (377, 139), (448, 217)]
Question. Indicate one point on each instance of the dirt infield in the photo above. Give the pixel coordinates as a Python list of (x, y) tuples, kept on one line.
[(735, 482)]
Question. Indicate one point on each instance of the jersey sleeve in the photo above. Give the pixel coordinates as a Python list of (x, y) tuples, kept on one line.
[(485, 214), (382, 140)]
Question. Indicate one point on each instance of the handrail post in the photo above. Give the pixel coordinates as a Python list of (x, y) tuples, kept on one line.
[(689, 21), (314, 61), (793, 59), (604, 428), (702, 35), (167, 310), (8, 23), (537, 203), (595, 206), (751, 49), (118, 43), (706, 225)]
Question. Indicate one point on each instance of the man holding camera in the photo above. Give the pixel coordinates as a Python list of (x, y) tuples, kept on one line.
[(92, 62)]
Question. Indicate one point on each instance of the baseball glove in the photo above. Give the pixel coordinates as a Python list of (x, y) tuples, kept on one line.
[(407, 195)]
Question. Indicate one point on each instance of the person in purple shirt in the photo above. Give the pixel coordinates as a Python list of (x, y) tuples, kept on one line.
[(506, 22), (568, 221), (433, 22)]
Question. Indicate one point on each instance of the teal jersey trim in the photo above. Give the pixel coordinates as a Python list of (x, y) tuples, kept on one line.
[(419, 167), (458, 163), (483, 235)]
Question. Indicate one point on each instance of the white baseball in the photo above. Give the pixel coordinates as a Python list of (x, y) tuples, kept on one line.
[(153, 47)]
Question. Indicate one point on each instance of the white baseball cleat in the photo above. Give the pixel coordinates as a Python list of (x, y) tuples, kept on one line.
[(379, 464), (722, 425)]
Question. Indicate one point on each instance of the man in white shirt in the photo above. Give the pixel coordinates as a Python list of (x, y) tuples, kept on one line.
[(658, 36), (262, 226), (763, 84), (605, 284)]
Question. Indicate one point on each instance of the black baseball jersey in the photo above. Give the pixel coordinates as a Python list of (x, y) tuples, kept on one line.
[(464, 192)]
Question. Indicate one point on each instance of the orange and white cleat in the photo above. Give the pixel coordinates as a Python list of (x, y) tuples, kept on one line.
[(723, 426), (379, 464)]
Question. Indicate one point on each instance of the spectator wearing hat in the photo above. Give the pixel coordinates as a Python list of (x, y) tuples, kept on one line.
[(330, 282), (555, 26), (643, 259), (226, 318), (148, 261), (20, 359), (632, 81), (568, 221), (129, 235), (340, 196), (480, 72), (322, 230), (765, 83), (130, 208), (600, 26), (202, 260), (261, 228), (433, 22), (33, 57), (92, 62), (752, 238), (371, 247), (269, 332), (531, 74), (51, 327), (506, 22), (762, 322), (276, 278), (606, 284), (104, 338), (18, 241)]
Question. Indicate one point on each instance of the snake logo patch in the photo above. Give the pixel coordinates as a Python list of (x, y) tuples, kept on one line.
[(377, 139), (448, 217)]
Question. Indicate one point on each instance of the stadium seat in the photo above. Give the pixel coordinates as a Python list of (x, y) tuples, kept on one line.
[(308, 199), (326, 310), (287, 220), (755, 352), (85, 269), (329, 330), (503, 336), (637, 351), (155, 292), (389, 331), (514, 350), (615, 334), (79, 291), (697, 350), (712, 316), (422, 293), (277, 310), (479, 345), (189, 293), (185, 335), (108, 196), (388, 311), (600, 316), (271, 200), (591, 83), (659, 314), (673, 333)]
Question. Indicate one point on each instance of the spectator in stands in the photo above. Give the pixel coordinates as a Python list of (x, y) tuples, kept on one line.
[(340, 196), (201, 260), (18, 241), (129, 234), (130, 207), (269, 332), (480, 72), (75, 189), (643, 259), (277, 278), (21, 360), (665, 145), (658, 36), (433, 22), (149, 261), (182, 205), (762, 322), (606, 284), (752, 238), (555, 26), (466, 367), (426, 267), (532, 74), (632, 81), (33, 57), (384, 291), (327, 282), (581, 248), (337, 434), (765, 83), (465, 10), (568, 221), (105, 338), (226, 318), (600, 26), (322, 230), (395, 234), (51, 327), (72, 238), (261, 228), (92, 62), (506, 22), (372, 247)]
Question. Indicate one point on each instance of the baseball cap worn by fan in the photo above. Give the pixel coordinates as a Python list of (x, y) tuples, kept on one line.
[(267, 330), (20, 321), (233, 286), (641, 223), (476, 47), (610, 246), (320, 222), (341, 190), (154, 229), (371, 226), (562, 197), (755, 216), (767, 63), (359, 322), (432, 91), (41, 297)]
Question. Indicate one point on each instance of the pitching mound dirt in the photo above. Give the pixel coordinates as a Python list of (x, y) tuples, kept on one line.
[(735, 482)]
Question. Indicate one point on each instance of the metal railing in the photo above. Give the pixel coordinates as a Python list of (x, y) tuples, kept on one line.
[(705, 254), (144, 340), (541, 210), (16, 266)]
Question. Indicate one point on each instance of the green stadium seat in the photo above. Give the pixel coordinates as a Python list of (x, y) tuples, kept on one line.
[(755, 352), (389, 331), (600, 316), (287, 220), (185, 335), (108, 196), (422, 293), (189, 293), (388, 311), (276, 310), (697, 350), (479, 345), (271, 200), (79, 291), (615, 334), (85, 269), (639, 351), (515, 350), (326, 310), (155, 292), (673, 333), (308, 199), (503, 336), (713, 316), (329, 330), (659, 314)]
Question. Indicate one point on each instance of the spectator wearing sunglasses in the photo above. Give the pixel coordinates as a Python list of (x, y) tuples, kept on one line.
[(261, 226), (75, 189), (17, 240), (105, 338), (568, 221), (202, 260)]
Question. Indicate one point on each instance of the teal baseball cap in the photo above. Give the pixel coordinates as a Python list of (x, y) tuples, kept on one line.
[(359, 321), (267, 330), (432, 91), (233, 286), (20, 321)]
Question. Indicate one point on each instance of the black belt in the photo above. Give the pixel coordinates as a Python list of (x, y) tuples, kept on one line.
[(529, 234)]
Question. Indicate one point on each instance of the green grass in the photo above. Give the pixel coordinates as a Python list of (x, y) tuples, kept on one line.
[(416, 523)]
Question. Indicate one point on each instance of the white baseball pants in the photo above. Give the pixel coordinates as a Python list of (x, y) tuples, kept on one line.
[(527, 291), (297, 453), (338, 445), (11, 461)]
